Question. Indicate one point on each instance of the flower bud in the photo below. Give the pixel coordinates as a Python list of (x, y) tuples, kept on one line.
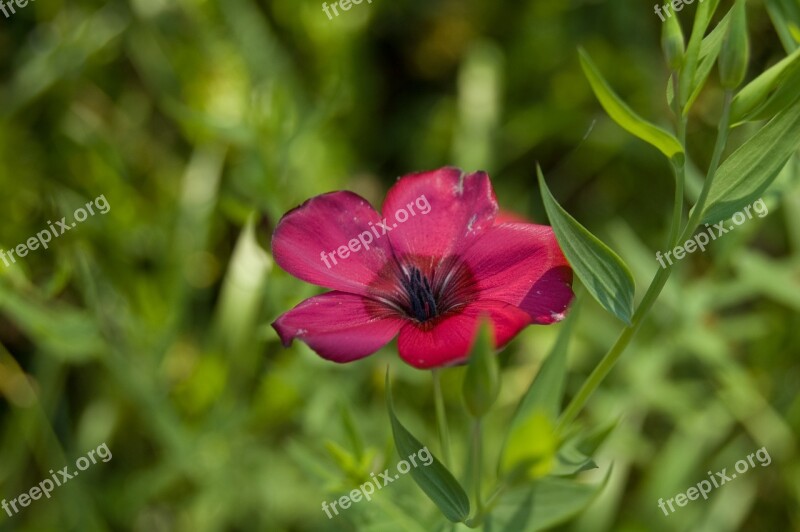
[(735, 53), (672, 42), (482, 380)]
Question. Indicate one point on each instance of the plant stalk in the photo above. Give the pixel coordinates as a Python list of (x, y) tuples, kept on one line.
[(441, 417), (607, 362)]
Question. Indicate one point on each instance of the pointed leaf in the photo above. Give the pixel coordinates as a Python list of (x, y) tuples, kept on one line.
[(624, 115), (709, 51), (688, 74), (604, 274), (436, 481), (761, 88), (745, 175)]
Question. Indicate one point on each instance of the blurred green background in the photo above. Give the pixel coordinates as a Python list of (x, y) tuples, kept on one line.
[(202, 122)]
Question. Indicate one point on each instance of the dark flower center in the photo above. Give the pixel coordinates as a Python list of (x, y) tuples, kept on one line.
[(422, 303), (423, 288)]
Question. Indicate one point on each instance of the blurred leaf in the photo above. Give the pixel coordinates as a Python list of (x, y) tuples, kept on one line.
[(601, 270), (435, 480), (543, 397), (530, 451), (747, 173), (570, 461), (353, 434), (64, 332), (548, 502), (623, 115)]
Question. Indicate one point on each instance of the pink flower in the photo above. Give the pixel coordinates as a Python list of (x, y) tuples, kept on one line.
[(428, 274)]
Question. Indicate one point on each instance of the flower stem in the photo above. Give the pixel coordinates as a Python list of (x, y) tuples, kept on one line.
[(441, 417), (477, 464), (607, 362)]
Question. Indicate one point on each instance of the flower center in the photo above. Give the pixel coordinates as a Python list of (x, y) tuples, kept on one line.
[(423, 289), (421, 300)]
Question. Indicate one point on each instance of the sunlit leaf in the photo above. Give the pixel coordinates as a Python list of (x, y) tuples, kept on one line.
[(624, 115)]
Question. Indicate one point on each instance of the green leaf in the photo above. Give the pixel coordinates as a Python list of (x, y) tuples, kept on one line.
[(570, 461), (762, 88), (702, 19), (65, 332), (747, 173), (624, 115), (735, 54), (672, 42), (786, 30), (482, 379), (709, 51), (604, 274), (435, 480), (783, 96), (548, 502), (530, 451)]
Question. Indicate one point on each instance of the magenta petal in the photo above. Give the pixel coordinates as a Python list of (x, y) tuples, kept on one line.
[(448, 341), (451, 209), (522, 264), (338, 326), (326, 224)]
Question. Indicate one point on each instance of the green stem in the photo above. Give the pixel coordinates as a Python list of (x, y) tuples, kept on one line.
[(477, 464), (441, 417), (719, 147), (678, 166), (607, 362)]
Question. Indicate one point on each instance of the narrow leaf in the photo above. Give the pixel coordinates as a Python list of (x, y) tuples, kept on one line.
[(703, 17), (747, 173), (624, 116), (435, 480), (709, 51), (604, 274), (783, 96), (761, 88)]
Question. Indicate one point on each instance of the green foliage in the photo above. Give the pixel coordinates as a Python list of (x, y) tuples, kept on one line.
[(746, 174), (435, 480), (203, 122), (624, 115), (601, 270)]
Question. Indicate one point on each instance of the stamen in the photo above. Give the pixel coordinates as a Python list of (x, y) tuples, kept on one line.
[(421, 300)]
